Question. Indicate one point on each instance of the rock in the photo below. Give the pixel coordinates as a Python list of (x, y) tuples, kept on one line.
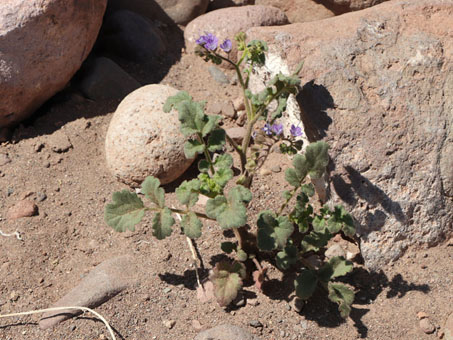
[(342, 6), (236, 133), (217, 4), (426, 326), (384, 105), (196, 325), (276, 168), (132, 37), (59, 142), (335, 250), (225, 23), (23, 208), (142, 140), (174, 11), (104, 79), (448, 329), (422, 315), (225, 332), (42, 44), (218, 75), (101, 284), (169, 323), (224, 108), (297, 304), (300, 10), (238, 104), (256, 324)]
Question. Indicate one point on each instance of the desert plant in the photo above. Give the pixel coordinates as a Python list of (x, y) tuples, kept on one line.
[(293, 233)]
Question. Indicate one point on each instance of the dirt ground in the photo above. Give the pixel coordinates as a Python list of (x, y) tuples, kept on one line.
[(68, 238)]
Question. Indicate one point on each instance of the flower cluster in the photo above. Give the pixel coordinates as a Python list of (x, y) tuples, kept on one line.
[(210, 42), (277, 129)]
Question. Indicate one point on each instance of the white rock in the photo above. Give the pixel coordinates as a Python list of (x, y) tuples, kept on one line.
[(143, 140)]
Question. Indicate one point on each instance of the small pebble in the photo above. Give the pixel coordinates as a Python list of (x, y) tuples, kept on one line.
[(276, 168), (265, 172), (422, 315), (426, 326), (169, 323), (41, 196), (256, 324), (196, 325), (218, 75), (167, 290)]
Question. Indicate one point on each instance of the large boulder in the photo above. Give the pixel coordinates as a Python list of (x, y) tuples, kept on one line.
[(225, 23), (170, 11), (142, 140), (300, 10), (341, 6), (42, 44), (378, 87)]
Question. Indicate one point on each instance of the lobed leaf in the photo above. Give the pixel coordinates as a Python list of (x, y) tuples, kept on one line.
[(337, 266), (228, 247), (162, 223), (209, 125), (227, 280), (152, 190), (343, 296), (308, 189), (287, 257), (191, 117), (193, 147), (241, 255), (222, 176), (317, 158), (125, 212), (305, 284), (176, 100), (187, 192), (273, 232), (216, 140), (191, 225), (315, 241), (223, 161)]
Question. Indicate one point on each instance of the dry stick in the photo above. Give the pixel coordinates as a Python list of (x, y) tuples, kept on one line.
[(194, 255), (85, 309)]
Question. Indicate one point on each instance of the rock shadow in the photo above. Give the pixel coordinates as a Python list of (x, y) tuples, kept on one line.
[(314, 100)]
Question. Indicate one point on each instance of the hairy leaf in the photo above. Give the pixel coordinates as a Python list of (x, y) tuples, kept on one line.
[(281, 107), (222, 176), (305, 284), (152, 190), (193, 147), (203, 166), (241, 255), (210, 124), (227, 280), (192, 117), (187, 192), (301, 166), (337, 266), (317, 158), (162, 223), (216, 140), (125, 212), (343, 296), (287, 257), (292, 178), (224, 161), (273, 232), (308, 189), (315, 241), (228, 247), (175, 100), (191, 225)]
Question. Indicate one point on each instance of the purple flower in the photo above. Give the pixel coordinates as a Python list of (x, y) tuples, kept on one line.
[(208, 41), (295, 131), (267, 129), (277, 129), (226, 45)]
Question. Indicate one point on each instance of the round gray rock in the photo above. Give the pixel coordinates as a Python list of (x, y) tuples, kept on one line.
[(142, 140)]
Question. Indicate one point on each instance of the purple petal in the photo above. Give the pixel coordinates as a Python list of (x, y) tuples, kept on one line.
[(226, 45), (295, 131), (277, 129)]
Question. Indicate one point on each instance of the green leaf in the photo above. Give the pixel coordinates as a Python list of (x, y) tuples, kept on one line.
[(287, 194), (187, 192), (305, 284), (228, 247), (210, 124), (125, 212), (315, 241), (193, 147), (241, 255), (337, 266), (301, 166), (319, 224), (176, 100), (216, 140), (292, 178), (308, 189), (203, 166), (191, 225), (222, 176), (224, 161), (281, 107), (152, 190), (227, 280), (191, 116), (273, 232), (162, 223), (343, 296), (230, 212), (317, 158), (287, 257)]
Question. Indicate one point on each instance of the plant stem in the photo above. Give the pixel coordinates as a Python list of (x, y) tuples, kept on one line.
[(238, 237), (206, 154), (180, 211), (284, 205)]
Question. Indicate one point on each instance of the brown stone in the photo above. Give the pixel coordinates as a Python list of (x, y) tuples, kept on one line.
[(23, 208), (300, 10)]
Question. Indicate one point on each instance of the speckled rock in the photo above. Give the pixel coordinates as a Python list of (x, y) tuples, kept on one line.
[(100, 285), (225, 23), (300, 10), (23, 208), (42, 44), (142, 140), (174, 11), (379, 90), (225, 332)]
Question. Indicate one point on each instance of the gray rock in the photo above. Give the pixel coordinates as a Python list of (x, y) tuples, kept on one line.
[(379, 90), (101, 284), (236, 133), (42, 44), (142, 140), (132, 37), (225, 332), (335, 250), (174, 11), (104, 79), (218, 75)]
